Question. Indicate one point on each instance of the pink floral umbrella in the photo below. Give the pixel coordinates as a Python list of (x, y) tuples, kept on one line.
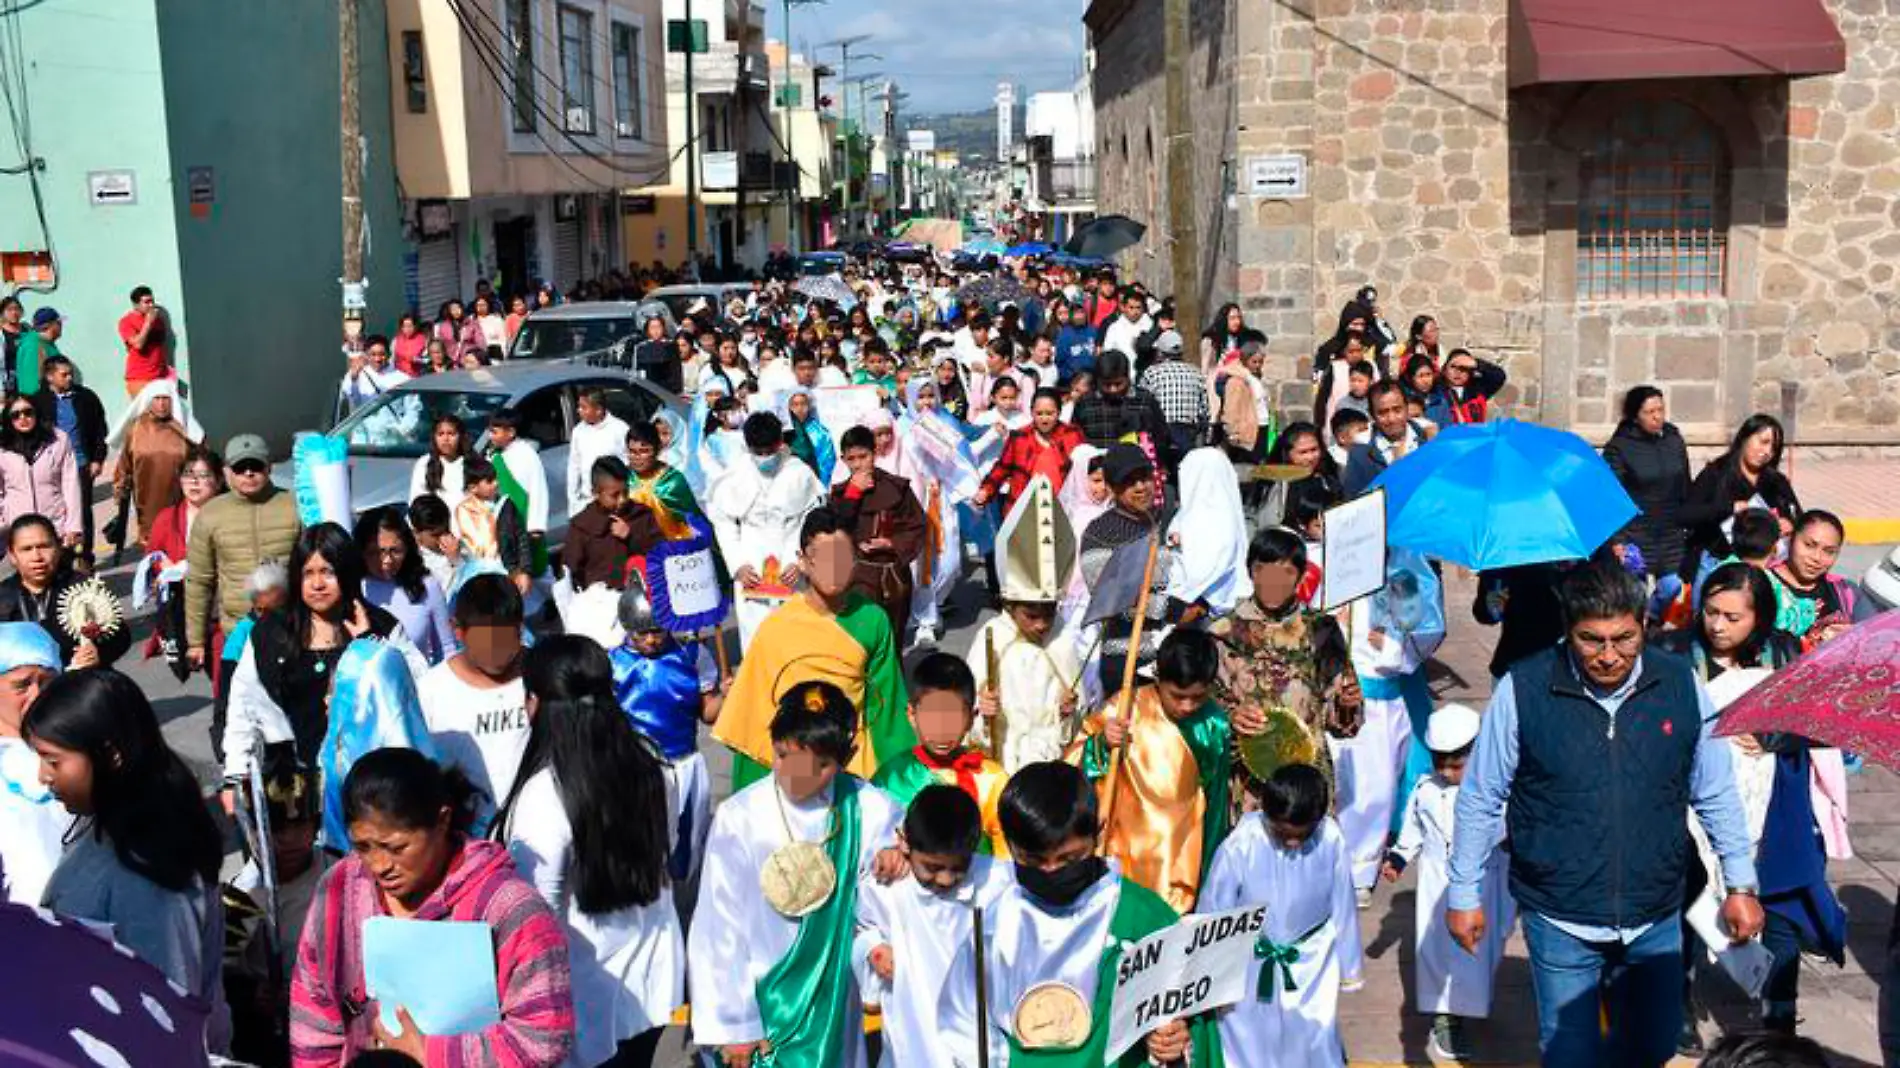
[(1845, 693)]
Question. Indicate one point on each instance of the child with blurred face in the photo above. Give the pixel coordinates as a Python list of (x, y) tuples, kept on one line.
[(942, 710), (784, 852)]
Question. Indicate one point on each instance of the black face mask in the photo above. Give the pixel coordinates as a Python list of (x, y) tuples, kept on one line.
[(1062, 886)]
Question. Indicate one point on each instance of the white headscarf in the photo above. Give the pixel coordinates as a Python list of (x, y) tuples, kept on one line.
[(1074, 496), (181, 412), (1211, 564)]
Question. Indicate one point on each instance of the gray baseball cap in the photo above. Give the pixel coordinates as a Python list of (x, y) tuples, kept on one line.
[(246, 447)]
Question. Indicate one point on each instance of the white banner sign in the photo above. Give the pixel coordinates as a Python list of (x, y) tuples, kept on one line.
[(1179, 971), (692, 583), (1354, 553)]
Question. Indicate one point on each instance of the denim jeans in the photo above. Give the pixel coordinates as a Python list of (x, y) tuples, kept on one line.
[(1638, 985)]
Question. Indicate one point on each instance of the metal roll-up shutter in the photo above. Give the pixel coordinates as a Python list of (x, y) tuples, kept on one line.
[(438, 275), (567, 254)]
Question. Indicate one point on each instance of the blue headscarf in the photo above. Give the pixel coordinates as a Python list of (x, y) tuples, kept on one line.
[(373, 706), (811, 439), (28, 645)]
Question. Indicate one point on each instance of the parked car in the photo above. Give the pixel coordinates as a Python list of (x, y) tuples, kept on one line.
[(389, 434), (1881, 584), (586, 329), (679, 300)]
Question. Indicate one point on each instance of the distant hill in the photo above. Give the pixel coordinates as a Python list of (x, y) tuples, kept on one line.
[(970, 134)]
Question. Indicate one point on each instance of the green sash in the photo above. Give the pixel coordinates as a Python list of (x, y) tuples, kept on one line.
[(1139, 913), (1209, 735), (887, 726), (801, 1000), (516, 492)]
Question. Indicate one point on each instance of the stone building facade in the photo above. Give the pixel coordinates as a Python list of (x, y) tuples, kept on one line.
[(1731, 239)]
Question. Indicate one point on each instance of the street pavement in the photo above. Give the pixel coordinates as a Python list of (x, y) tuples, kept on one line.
[(1837, 1004)]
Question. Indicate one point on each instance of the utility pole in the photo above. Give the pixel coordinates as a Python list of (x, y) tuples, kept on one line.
[(351, 128), (843, 45), (1184, 253), (692, 148), (791, 120)]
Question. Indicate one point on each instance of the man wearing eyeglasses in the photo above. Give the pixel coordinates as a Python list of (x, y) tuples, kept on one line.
[(1599, 749), (233, 533)]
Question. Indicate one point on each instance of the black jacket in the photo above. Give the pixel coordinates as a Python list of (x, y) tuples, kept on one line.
[(90, 437), (1654, 469), (1711, 502), (659, 362), (19, 606)]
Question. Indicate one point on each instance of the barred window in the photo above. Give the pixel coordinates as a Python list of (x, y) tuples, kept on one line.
[(1652, 217)]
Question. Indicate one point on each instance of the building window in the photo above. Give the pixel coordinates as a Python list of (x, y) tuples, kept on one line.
[(415, 79), (1652, 212), (626, 80), (521, 56), (577, 70)]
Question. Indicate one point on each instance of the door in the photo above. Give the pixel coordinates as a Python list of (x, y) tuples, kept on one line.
[(438, 275), (567, 255), (514, 242)]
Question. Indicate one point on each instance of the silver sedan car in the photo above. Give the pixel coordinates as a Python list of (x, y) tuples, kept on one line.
[(389, 434)]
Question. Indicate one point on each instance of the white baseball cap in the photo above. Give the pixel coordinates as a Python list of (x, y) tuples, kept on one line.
[(1451, 728)]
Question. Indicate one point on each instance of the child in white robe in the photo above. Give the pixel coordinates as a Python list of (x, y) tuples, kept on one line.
[(1289, 856), (910, 930), (1063, 921), (740, 941), (1037, 695), (1393, 636), (1449, 983)]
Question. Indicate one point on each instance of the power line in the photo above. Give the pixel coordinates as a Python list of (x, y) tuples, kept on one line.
[(13, 51)]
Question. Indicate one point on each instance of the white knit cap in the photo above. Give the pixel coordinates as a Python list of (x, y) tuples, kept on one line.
[(1451, 728)]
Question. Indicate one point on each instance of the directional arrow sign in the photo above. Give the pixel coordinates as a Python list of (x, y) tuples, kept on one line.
[(1278, 177)]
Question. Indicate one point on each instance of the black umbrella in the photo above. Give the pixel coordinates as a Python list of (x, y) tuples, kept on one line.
[(993, 290), (1105, 237)]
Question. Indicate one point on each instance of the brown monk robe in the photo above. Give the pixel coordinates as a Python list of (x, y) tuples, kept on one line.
[(888, 525)]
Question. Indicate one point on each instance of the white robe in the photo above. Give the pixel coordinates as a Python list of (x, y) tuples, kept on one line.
[(587, 443), (524, 465), (1449, 980), (1035, 679), (1302, 891), (1370, 763), (1026, 944), (628, 967), (451, 491), (736, 938), (925, 930), (33, 825), (756, 517)]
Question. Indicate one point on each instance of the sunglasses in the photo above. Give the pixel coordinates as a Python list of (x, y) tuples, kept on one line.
[(249, 467), (22, 413)]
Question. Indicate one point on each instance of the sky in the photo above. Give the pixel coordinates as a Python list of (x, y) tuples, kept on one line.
[(947, 54)]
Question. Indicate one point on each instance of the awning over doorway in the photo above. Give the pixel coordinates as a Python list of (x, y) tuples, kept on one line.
[(1623, 40)]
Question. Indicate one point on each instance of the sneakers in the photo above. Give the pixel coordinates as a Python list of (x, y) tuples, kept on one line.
[(926, 636), (1448, 1040), (1362, 896)]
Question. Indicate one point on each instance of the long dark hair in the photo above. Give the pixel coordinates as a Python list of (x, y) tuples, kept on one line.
[(1217, 330), (145, 801), (411, 575), (30, 443), (1754, 424), (611, 780), (432, 477), (331, 542), (1734, 577), (1283, 448)]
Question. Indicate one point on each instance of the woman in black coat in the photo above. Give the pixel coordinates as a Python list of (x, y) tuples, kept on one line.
[(1730, 485), (1652, 462)]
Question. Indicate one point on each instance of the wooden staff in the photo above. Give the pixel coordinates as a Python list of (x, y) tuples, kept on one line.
[(1125, 701), (994, 663), (982, 990), (719, 653)]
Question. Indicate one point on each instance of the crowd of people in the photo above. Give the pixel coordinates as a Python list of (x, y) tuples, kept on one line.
[(439, 716)]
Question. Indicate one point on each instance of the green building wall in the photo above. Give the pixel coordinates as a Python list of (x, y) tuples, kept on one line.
[(249, 90)]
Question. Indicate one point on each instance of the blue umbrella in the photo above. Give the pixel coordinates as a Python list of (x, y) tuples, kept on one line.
[(1031, 248), (984, 246), (1495, 495)]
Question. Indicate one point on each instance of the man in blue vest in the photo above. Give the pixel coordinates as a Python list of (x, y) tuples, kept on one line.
[(1599, 749)]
